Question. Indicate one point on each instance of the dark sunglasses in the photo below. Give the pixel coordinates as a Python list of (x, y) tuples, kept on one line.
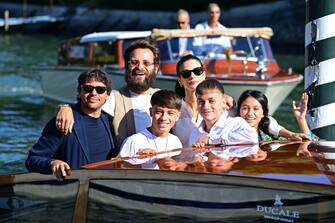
[(181, 22), (98, 89), (187, 73)]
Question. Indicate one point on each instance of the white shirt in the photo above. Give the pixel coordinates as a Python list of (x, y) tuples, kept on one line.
[(274, 127), (186, 124), (202, 41), (109, 105), (227, 131), (145, 139), (235, 151), (141, 108), (182, 45)]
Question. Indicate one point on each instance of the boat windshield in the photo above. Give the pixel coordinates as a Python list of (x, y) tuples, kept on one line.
[(241, 48)]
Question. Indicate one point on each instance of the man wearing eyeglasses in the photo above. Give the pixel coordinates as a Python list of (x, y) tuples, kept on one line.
[(129, 105), (182, 46), (90, 141), (206, 44)]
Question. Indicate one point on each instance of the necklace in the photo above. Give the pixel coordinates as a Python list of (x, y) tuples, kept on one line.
[(153, 139)]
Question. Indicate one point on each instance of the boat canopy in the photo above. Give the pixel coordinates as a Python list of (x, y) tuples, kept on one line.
[(110, 36), (161, 34)]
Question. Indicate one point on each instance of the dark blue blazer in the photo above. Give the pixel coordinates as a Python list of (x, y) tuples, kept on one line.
[(72, 148)]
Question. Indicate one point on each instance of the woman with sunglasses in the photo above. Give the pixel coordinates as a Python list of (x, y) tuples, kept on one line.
[(191, 73)]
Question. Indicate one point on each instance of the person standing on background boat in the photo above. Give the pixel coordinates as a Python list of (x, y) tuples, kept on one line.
[(90, 141), (221, 43), (130, 104), (182, 46)]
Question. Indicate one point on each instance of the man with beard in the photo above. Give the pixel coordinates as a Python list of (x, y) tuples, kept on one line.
[(131, 112)]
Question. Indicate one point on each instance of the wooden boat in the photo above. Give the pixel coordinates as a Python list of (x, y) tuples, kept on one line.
[(278, 187), (248, 64)]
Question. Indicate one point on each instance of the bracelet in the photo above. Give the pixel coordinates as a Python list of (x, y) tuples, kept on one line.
[(63, 105)]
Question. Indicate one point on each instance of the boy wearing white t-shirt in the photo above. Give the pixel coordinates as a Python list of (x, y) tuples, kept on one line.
[(165, 111)]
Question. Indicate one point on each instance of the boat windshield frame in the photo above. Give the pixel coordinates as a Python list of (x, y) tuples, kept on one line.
[(243, 48)]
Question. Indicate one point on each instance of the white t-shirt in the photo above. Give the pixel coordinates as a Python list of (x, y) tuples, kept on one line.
[(141, 108), (227, 131), (146, 140)]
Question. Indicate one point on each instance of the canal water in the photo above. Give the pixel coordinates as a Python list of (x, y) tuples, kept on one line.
[(24, 111)]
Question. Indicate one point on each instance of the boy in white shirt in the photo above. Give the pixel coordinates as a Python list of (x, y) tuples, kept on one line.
[(165, 111), (217, 127)]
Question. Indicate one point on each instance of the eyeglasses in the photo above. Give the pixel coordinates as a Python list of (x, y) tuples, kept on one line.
[(136, 63), (187, 73), (98, 89)]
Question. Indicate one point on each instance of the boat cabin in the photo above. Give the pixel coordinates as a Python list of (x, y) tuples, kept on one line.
[(104, 48), (245, 54)]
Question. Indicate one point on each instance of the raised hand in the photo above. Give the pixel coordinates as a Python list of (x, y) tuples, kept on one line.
[(300, 110), (300, 113)]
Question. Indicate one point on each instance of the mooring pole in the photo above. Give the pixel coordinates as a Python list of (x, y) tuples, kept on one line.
[(320, 67), (6, 20), (24, 8)]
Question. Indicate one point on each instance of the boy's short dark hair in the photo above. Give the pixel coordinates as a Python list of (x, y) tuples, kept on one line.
[(166, 98), (208, 84)]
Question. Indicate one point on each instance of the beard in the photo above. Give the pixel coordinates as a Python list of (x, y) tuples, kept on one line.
[(139, 86)]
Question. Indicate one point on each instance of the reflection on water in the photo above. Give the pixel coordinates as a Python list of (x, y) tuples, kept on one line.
[(38, 202), (23, 111)]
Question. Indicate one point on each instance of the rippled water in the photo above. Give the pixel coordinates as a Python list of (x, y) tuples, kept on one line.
[(23, 110)]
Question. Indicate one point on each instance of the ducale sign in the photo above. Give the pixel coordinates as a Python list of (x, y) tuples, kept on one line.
[(277, 212)]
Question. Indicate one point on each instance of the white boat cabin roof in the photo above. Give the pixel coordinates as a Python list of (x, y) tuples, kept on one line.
[(110, 36)]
